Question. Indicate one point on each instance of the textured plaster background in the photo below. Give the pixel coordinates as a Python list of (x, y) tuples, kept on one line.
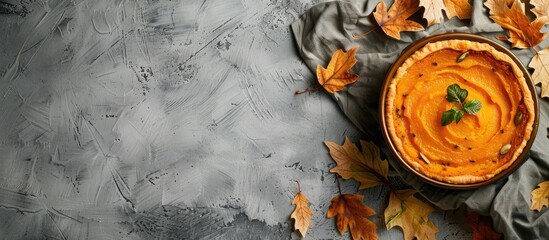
[(165, 120)]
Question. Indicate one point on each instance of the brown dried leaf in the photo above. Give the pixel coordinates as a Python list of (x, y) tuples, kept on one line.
[(366, 167), (540, 64), (411, 214), (482, 227), (394, 21), (523, 33), (351, 212), (433, 10), (336, 76), (540, 196), (302, 214)]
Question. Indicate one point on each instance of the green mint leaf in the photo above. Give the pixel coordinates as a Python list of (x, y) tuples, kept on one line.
[(448, 116), (456, 93), (458, 115), (472, 107)]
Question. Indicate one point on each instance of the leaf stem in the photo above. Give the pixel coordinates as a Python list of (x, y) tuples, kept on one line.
[(298, 187), (308, 90), (355, 36), (338, 184)]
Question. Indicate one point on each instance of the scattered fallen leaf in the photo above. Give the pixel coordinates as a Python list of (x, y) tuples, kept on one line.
[(499, 7), (394, 21), (336, 76), (540, 196), (302, 213), (541, 9), (482, 227), (523, 33), (366, 167), (349, 211), (411, 214), (540, 64), (433, 10)]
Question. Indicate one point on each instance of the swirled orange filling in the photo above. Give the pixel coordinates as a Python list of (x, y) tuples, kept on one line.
[(468, 151)]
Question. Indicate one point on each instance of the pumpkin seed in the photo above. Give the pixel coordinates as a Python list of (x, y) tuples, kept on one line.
[(424, 158), (505, 149), (462, 57), (518, 118)]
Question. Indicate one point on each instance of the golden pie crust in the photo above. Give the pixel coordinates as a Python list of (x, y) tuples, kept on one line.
[(469, 151)]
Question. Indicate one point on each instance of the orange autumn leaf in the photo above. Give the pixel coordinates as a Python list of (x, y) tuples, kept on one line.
[(366, 167), (395, 20), (453, 8), (540, 64), (302, 214), (336, 76), (349, 211), (540, 196), (522, 32), (482, 227), (411, 214)]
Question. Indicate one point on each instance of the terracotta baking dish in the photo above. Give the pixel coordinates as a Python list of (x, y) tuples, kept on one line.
[(406, 53)]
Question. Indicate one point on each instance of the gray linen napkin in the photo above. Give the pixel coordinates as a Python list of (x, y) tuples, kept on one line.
[(330, 26)]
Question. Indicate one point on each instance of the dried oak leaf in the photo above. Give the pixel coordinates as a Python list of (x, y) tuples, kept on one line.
[(523, 33), (411, 214), (433, 10), (394, 21), (482, 227), (302, 214), (540, 64), (366, 167), (541, 9), (349, 211), (336, 76), (540, 196)]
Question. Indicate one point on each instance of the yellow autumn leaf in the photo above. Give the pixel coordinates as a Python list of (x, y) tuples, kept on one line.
[(366, 167), (453, 8), (522, 32), (411, 214), (351, 212), (541, 9), (395, 20), (499, 7), (302, 214), (540, 196), (336, 76), (540, 64)]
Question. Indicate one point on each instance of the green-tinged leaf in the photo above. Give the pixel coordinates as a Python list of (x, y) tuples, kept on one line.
[(472, 106), (448, 117), (456, 93), (411, 214), (454, 114), (458, 115)]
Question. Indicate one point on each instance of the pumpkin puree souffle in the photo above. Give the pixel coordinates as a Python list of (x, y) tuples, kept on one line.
[(459, 111)]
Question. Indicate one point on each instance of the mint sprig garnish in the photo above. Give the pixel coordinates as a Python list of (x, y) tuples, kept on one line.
[(454, 93), (451, 115), (471, 107)]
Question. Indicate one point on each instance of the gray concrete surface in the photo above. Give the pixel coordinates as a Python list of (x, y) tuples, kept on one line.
[(165, 120)]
